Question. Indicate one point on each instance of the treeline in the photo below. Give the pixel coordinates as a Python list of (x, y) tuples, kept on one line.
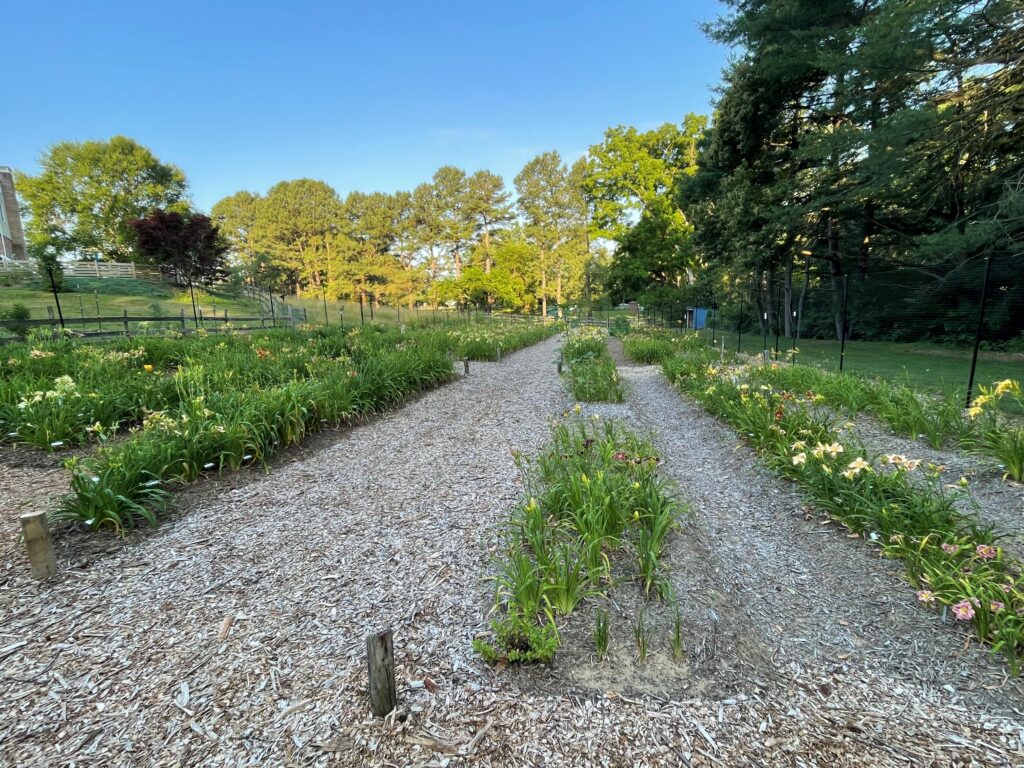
[(602, 229), (458, 237), (874, 144), (865, 154)]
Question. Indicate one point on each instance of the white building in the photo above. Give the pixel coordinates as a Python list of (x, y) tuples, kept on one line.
[(12, 236)]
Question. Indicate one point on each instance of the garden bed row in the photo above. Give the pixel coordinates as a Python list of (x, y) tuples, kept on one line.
[(984, 429), (591, 375), (187, 406), (593, 495), (898, 504)]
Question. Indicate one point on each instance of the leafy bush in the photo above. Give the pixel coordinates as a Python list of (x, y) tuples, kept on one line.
[(647, 350), (519, 639), (481, 341), (995, 435), (620, 326), (17, 312)]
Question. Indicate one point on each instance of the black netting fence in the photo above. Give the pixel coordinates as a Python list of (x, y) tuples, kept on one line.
[(914, 324)]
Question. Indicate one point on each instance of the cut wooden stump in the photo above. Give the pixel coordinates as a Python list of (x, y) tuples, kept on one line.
[(465, 366), (380, 660), (38, 545)]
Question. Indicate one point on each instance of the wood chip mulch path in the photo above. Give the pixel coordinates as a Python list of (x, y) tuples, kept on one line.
[(234, 635)]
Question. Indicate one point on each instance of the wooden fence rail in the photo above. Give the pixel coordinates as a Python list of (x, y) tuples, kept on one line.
[(182, 321)]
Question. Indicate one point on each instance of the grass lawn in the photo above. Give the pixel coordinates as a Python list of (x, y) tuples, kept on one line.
[(109, 299), (924, 366), (336, 312)]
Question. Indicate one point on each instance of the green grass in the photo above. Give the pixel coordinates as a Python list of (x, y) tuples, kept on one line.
[(337, 312), (923, 366), (89, 298), (157, 300)]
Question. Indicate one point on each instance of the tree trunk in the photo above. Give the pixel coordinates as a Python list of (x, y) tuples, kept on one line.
[(487, 263), (803, 294), (544, 294), (768, 313)]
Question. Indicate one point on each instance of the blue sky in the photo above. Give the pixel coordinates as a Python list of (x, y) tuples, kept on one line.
[(365, 95)]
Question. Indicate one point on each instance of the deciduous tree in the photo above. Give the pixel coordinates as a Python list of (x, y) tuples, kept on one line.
[(83, 199)]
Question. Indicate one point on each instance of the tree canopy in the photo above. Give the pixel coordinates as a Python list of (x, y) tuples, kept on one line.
[(189, 247), (854, 139), (854, 144), (82, 200)]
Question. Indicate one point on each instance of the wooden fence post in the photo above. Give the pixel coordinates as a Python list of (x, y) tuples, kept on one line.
[(182, 319), (38, 545), (499, 354), (125, 316), (465, 366), (380, 660)]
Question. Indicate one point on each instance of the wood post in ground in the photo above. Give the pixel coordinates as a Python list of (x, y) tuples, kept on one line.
[(499, 354), (124, 317), (380, 661), (559, 366), (465, 365), (38, 545)]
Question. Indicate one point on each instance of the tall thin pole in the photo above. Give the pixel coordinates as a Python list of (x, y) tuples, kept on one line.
[(714, 316), (327, 320), (362, 320), (977, 333), (796, 334), (765, 318), (842, 333), (195, 312), (739, 325), (778, 323), (56, 298), (797, 320)]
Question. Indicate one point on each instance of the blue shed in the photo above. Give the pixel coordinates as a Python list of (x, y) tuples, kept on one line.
[(696, 318)]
